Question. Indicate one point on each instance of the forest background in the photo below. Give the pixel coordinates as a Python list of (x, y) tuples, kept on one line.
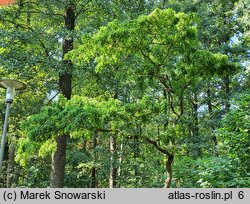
[(127, 93)]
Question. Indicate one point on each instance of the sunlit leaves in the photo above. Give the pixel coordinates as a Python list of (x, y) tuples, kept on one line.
[(81, 116)]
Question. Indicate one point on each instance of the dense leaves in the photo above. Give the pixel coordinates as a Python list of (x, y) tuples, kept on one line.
[(160, 93)]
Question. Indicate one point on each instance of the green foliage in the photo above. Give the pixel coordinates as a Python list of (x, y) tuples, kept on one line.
[(235, 132), (37, 174), (76, 175), (178, 76), (211, 172), (79, 116), (163, 38)]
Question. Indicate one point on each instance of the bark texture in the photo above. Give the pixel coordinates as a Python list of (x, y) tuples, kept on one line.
[(65, 80), (93, 183), (11, 166), (169, 170)]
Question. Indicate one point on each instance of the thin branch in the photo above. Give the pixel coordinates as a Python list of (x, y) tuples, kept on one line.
[(58, 92), (52, 98), (34, 33), (170, 101), (81, 9), (150, 60), (163, 79), (37, 11), (103, 130)]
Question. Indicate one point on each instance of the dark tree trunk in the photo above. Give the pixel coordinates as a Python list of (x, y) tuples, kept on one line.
[(195, 127), (210, 110), (65, 78), (16, 175), (166, 109), (169, 162), (227, 91), (169, 172), (93, 183), (58, 163), (11, 166), (209, 102), (136, 151), (195, 114)]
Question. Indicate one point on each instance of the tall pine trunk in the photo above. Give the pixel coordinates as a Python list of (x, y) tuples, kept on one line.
[(65, 78)]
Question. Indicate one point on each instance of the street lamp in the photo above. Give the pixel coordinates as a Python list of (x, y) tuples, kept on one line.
[(10, 86)]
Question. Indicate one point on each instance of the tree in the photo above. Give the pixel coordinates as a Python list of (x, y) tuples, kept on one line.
[(165, 44), (234, 133), (146, 97)]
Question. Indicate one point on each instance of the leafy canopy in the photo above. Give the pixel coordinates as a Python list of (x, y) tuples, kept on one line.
[(80, 116), (163, 41)]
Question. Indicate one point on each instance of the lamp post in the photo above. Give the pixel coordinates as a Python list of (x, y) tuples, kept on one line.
[(10, 86)]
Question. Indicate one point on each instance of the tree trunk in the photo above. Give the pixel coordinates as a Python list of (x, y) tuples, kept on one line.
[(209, 102), (120, 158), (16, 175), (112, 146), (210, 110), (227, 91), (65, 78), (195, 128), (169, 173), (11, 165), (168, 165), (195, 115), (58, 163), (136, 150), (93, 183), (113, 169)]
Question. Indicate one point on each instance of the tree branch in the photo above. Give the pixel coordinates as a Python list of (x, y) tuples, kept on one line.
[(147, 57), (81, 9), (31, 29), (37, 11), (154, 143)]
